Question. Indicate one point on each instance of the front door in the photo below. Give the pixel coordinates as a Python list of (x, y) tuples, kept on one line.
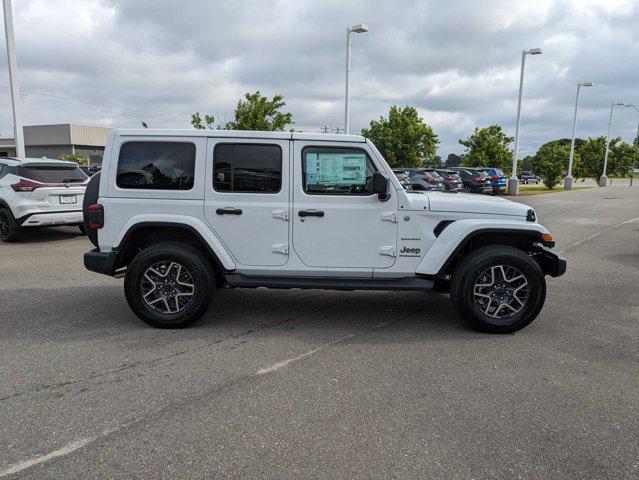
[(337, 221), (247, 198)]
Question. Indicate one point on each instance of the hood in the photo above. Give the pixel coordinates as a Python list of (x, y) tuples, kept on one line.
[(464, 203)]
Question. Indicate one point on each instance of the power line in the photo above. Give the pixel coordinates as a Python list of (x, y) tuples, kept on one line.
[(60, 101)]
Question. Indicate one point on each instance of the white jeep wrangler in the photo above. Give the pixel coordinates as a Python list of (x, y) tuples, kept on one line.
[(180, 213)]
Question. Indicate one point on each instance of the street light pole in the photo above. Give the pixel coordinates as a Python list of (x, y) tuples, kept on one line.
[(513, 183), (568, 179), (13, 79), (361, 28), (636, 145), (603, 179)]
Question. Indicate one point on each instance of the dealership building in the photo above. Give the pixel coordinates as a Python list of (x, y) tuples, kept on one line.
[(52, 141)]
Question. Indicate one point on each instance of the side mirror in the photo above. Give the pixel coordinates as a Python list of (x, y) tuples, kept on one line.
[(380, 186)]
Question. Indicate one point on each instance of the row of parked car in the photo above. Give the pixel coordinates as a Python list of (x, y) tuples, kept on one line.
[(453, 179)]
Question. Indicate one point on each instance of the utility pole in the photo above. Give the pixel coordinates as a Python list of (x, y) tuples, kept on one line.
[(13, 79)]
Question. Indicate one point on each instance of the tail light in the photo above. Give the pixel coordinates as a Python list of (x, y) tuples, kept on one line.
[(450, 179), (28, 186), (95, 216), (431, 180), (478, 179), (495, 177)]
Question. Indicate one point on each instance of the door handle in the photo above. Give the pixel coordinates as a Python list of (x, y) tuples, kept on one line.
[(310, 213), (228, 211)]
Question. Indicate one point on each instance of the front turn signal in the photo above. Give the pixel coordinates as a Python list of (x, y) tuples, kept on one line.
[(546, 237)]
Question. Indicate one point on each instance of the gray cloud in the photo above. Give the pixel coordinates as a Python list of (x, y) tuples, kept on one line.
[(456, 61)]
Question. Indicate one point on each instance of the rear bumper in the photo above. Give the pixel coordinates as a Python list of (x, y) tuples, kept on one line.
[(49, 219), (101, 262), (551, 263)]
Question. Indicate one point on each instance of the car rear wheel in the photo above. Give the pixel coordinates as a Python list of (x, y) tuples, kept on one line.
[(169, 285), (498, 289), (9, 228)]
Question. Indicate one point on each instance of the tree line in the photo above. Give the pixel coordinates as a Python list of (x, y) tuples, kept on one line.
[(406, 140)]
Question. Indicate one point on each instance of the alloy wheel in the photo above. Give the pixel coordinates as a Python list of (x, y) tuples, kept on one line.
[(167, 287), (501, 291)]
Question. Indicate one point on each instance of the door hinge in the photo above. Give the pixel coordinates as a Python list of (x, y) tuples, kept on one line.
[(283, 214), (388, 251), (389, 217), (281, 248)]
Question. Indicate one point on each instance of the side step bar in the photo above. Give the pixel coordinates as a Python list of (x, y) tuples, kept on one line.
[(239, 280)]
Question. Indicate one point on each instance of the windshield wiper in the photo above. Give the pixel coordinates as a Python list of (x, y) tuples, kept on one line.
[(71, 180)]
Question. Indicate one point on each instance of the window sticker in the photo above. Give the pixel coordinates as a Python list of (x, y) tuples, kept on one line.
[(336, 169)]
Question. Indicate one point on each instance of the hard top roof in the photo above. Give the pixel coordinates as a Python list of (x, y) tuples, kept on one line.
[(190, 132)]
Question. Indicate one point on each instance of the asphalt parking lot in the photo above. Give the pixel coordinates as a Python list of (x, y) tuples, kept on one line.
[(315, 384)]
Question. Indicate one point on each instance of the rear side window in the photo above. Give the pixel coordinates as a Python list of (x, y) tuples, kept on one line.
[(51, 174), (156, 165), (337, 171), (247, 167)]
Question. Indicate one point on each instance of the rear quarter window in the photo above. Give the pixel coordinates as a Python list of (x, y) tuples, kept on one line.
[(156, 165)]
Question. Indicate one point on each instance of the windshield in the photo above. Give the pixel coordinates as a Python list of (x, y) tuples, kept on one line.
[(52, 174)]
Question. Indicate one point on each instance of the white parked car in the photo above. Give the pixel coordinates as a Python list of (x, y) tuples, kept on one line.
[(39, 193), (211, 209)]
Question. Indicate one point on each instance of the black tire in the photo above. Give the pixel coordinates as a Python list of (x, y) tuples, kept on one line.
[(476, 264), (196, 265), (9, 228), (83, 230)]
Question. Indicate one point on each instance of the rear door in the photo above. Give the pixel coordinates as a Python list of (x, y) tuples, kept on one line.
[(247, 198)]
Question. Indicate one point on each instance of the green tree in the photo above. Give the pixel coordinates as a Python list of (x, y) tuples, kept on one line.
[(75, 157), (591, 152), (488, 147), (526, 163), (551, 161), (257, 112), (453, 160), (403, 138), (254, 112), (621, 158), (209, 121)]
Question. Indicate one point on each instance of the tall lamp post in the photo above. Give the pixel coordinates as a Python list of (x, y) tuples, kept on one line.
[(636, 144), (13, 79), (361, 28), (513, 183), (568, 179), (603, 179)]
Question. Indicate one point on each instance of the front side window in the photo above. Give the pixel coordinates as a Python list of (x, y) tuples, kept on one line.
[(337, 171), (247, 167), (156, 165)]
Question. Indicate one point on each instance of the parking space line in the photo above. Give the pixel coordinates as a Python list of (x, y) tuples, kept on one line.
[(594, 235), (71, 447), (284, 363)]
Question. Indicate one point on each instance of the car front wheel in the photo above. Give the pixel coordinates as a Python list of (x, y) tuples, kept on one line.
[(498, 289), (169, 285)]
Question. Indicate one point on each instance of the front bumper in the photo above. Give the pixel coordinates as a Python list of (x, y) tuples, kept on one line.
[(551, 263), (50, 219), (101, 262)]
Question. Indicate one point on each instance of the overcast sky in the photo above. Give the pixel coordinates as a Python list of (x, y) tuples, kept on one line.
[(456, 61)]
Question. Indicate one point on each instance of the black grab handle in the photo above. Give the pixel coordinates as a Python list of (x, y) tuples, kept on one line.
[(310, 213), (228, 211)]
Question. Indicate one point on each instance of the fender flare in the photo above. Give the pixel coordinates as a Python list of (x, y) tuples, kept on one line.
[(193, 224), (457, 234)]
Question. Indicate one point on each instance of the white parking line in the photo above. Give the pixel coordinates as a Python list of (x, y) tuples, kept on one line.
[(283, 363), (72, 447), (594, 235)]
